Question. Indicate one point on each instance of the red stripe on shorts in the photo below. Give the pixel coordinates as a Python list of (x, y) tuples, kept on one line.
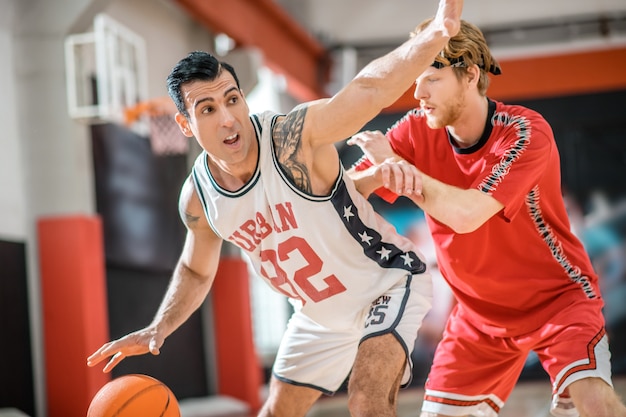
[(591, 352), (461, 403)]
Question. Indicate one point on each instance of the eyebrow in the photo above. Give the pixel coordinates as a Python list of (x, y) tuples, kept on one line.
[(226, 93)]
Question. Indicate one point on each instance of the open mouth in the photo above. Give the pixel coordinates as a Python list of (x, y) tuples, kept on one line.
[(230, 140)]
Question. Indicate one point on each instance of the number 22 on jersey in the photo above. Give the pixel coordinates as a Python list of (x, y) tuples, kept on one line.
[(301, 279)]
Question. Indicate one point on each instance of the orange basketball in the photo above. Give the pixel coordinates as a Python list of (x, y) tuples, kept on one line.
[(133, 396)]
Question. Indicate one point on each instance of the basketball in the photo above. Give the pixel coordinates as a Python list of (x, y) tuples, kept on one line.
[(132, 396)]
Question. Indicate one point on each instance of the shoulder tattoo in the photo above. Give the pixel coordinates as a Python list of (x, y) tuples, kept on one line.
[(189, 219), (288, 146)]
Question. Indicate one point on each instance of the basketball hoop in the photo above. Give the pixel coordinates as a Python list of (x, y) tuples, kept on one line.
[(155, 118), (106, 71)]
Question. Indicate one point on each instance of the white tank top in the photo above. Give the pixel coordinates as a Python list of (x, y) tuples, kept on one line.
[(333, 255)]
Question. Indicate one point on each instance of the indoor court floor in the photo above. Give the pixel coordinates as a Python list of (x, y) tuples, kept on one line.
[(529, 399)]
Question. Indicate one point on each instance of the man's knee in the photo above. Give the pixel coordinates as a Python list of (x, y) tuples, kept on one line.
[(363, 405), (287, 400), (372, 399), (593, 397)]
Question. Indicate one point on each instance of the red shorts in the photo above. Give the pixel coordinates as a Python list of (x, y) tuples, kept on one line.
[(474, 373)]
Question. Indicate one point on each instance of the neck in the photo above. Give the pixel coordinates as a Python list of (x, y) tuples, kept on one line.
[(233, 176), (470, 125)]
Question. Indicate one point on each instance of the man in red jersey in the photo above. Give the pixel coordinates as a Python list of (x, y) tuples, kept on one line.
[(487, 175)]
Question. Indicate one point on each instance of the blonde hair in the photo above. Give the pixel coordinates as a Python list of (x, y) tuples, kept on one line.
[(469, 47)]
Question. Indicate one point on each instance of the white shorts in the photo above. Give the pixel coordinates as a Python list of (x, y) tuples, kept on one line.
[(317, 357)]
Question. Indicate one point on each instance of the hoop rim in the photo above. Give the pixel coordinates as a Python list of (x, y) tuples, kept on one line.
[(159, 106)]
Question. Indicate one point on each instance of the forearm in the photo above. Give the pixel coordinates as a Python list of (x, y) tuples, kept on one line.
[(463, 210), (381, 82), (185, 293), (392, 75), (365, 181), (377, 86)]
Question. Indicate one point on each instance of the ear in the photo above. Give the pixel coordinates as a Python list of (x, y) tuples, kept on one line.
[(183, 124), (473, 75)]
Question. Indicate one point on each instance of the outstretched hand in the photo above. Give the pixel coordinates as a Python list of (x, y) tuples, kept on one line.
[(137, 343), (374, 145), (448, 17)]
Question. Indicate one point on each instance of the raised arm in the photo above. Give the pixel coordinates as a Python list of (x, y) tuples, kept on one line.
[(382, 81), (189, 286)]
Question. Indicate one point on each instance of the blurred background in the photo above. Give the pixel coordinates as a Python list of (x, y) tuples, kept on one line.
[(91, 166)]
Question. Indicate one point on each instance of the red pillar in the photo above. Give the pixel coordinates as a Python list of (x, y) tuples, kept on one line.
[(238, 367), (75, 314)]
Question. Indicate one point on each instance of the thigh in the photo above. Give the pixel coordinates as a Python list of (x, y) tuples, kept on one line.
[(288, 400), (472, 373), (398, 314), (378, 368)]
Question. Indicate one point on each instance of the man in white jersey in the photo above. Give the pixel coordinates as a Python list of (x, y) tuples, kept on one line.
[(274, 186)]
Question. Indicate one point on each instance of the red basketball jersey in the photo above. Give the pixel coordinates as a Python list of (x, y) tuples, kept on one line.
[(524, 264)]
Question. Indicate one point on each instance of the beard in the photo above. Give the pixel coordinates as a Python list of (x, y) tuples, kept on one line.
[(449, 112)]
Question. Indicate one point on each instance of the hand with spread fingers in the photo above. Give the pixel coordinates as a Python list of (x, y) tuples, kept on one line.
[(133, 344), (374, 145)]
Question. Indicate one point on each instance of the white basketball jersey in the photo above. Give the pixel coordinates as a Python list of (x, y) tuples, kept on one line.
[(332, 254)]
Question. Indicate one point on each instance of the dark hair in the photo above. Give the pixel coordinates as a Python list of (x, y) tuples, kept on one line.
[(197, 65)]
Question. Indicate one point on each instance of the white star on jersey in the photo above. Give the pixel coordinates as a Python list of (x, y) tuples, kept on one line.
[(347, 212), (365, 238), (407, 259), (384, 253)]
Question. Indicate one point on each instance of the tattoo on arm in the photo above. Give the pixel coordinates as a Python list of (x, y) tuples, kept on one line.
[(288, 145), (190, 219)]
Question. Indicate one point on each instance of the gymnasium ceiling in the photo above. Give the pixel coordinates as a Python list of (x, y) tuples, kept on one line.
[(363, 22), (298, 36)]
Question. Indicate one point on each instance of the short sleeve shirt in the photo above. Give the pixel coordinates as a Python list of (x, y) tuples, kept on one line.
[(524, 264)]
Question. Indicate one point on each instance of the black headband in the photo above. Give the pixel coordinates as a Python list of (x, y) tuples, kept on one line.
[(460, 62)]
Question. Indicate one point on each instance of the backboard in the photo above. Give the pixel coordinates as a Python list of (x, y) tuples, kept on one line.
[(106, 72)]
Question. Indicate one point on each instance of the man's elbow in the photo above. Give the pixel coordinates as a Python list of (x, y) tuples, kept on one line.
[(474, 213), (466, 222)]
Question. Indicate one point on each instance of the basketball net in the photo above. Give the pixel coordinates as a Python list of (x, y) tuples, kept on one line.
[(156, 119)]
